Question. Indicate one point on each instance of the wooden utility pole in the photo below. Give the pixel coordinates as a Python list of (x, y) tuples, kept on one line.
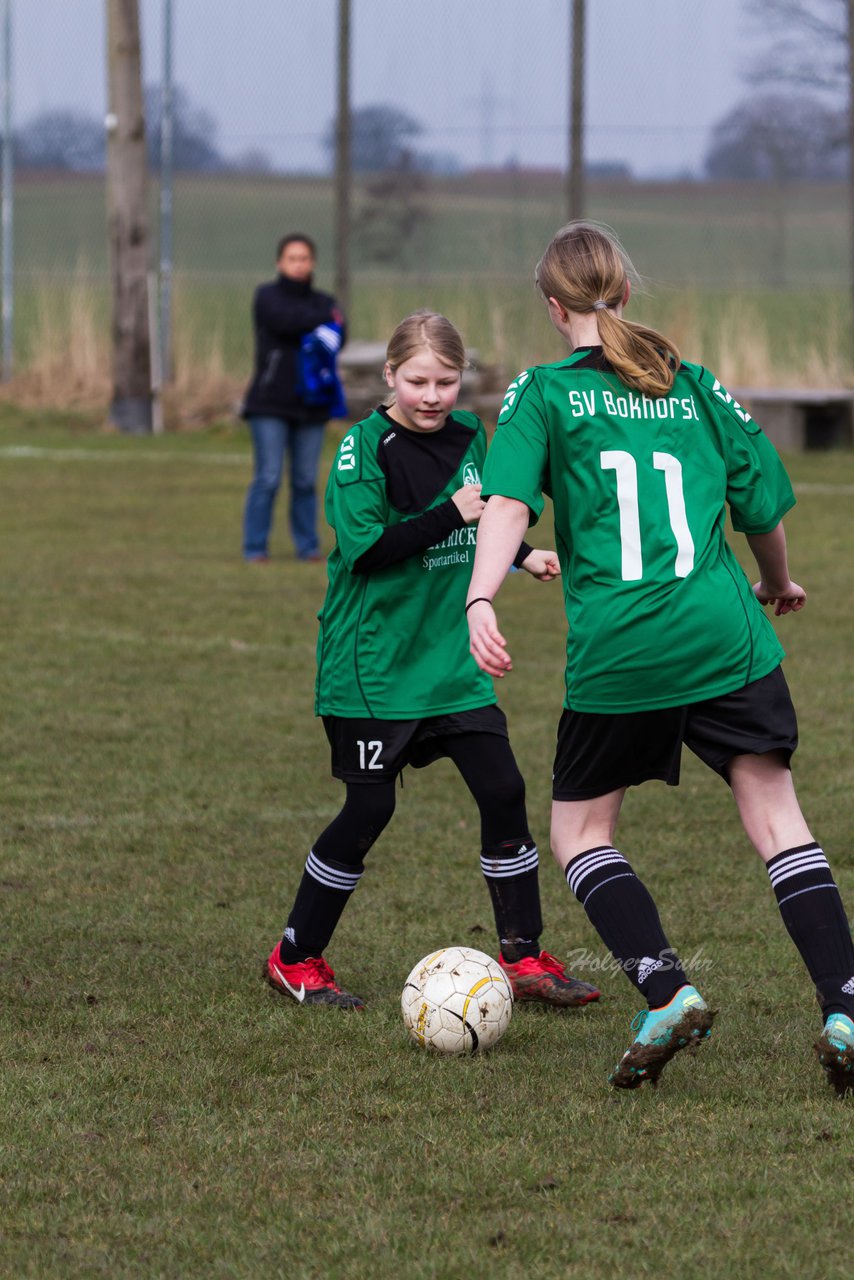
[(343, 164), (575, 168), (851, 162), (127, 221)]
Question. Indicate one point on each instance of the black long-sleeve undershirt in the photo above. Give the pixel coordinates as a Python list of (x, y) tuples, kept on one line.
[(417, 467), (400, 541)]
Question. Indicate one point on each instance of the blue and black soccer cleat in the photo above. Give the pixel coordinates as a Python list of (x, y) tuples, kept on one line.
[(835, 1051), (680, 1024)]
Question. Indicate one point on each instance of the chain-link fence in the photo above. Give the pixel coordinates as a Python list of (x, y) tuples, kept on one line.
[(460, 125)]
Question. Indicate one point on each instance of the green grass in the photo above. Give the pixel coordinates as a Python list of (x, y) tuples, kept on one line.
[(163, 1113)]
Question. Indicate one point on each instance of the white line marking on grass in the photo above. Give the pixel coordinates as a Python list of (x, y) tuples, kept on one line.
[(210, 644), (809, 486), (41, 453)]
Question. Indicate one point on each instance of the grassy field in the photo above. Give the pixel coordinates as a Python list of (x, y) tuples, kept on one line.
[(723, 263), (164, 1114), (715, 235)]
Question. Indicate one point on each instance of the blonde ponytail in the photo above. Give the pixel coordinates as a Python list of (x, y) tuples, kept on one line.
[(587, 269)]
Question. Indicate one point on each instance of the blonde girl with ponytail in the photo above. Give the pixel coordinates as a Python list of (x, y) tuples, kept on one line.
[(642, 453)]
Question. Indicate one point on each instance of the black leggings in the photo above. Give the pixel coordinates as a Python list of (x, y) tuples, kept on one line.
[(488, 768)]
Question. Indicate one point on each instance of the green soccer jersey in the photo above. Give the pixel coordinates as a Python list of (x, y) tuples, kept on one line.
[(660, 612), (393, 642)]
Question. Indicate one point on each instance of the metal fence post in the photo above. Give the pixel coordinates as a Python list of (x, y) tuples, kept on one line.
[(166, 139), (343, 174), (7, 195)]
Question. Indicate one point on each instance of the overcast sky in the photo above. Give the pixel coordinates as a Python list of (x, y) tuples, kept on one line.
[(486, 78)]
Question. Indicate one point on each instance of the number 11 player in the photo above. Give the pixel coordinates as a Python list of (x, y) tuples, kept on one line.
[(668, 643)]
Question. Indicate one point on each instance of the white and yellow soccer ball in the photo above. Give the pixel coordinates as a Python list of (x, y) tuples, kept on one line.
[(457, 1000)]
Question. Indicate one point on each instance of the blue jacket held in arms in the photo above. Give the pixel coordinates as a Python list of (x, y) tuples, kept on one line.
[(317, 376)]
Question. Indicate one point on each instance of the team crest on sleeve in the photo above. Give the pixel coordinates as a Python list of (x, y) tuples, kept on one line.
[(471, 474), (723, 395), (347, 453), (513, 391)]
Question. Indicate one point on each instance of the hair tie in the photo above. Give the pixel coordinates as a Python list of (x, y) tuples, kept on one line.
[(600, 305)]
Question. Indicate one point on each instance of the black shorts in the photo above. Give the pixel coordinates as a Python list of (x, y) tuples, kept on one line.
[(377, 750), (597, 754)]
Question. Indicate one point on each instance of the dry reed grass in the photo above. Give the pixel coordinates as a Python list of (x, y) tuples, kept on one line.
[(736, 343), (744, 353), (65, 360), (66, 363), (203, 389)]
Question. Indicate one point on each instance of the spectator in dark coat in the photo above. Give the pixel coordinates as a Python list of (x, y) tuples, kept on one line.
[(279, 415)]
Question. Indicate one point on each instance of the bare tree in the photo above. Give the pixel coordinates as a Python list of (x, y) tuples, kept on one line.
[(61, 139), (127, 221), (381, 136), (809, 43), (779, 137), (813, 45), (393, 211)]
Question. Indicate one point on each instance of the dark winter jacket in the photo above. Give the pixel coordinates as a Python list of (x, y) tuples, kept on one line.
[(283, 312)]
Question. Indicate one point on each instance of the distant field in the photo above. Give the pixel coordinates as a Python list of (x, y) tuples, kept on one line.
[(709, 235), (751, 276)]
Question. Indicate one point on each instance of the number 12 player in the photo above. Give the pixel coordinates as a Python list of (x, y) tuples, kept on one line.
[(396, 684)]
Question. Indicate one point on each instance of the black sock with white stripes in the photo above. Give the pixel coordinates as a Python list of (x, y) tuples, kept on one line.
[(323, 894), (624, 915), (510, 871), (812, 911)]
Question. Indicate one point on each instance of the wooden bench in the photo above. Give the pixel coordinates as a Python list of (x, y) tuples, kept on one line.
[(802, 418)]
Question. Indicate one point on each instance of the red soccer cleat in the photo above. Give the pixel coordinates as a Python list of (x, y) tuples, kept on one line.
[(309, 982), (545, 979)]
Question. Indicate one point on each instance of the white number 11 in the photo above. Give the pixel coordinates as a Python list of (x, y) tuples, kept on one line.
[(627, 500)]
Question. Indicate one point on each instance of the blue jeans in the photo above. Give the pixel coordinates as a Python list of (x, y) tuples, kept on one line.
[(271, 437)]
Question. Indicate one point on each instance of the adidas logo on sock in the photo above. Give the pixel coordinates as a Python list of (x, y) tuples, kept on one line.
[(648, 966), (849, 987)]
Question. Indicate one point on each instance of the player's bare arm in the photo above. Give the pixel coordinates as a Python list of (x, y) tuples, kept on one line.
[(501, 530), (775, 586)]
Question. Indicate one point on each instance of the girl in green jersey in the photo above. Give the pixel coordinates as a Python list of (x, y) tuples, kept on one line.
[(396, 683), (642, 453)]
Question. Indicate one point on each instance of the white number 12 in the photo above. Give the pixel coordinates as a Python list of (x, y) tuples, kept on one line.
[(375, 748), (626, 469)]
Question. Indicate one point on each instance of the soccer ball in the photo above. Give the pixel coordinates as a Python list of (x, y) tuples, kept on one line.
[(457, 1000)]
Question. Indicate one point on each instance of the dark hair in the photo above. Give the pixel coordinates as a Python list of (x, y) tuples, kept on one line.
[(296, 237), (584, 267)]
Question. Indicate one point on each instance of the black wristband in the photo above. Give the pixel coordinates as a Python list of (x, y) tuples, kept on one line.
[(522, 554), (478, 600)]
